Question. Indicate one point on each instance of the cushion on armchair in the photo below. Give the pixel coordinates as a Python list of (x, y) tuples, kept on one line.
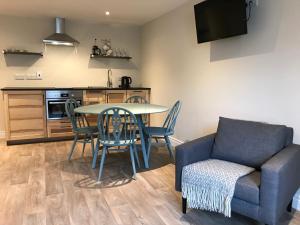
[(248, 143)]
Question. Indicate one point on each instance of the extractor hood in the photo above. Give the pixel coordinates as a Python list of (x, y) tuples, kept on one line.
[(59, 37)]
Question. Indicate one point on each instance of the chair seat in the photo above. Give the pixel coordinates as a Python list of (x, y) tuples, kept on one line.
[(87, 130), (156, 131), (247, 188)]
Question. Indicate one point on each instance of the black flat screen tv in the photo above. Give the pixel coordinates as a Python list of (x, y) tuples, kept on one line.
[(218, 19)]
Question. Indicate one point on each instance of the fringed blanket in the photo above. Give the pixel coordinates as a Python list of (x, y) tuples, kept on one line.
[(209, 185)]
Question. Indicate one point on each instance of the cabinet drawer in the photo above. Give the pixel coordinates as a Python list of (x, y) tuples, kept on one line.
[(26, 125), (25, 100), (59, 128), (142, 93), (116, 96), (26, 113)]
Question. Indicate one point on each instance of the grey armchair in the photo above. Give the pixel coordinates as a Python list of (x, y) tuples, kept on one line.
[(265, 194)]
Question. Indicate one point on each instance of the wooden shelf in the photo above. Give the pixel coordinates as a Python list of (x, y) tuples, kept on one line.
[(6, 52), (109, 57)]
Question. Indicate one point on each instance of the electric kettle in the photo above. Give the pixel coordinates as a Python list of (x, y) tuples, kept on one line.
[(125, 82)]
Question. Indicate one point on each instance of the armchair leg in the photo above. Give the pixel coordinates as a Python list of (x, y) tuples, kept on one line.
[(289, 207), (184, 200)]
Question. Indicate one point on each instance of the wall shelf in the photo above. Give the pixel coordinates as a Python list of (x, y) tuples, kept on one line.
[(8, 52), (109, 57)]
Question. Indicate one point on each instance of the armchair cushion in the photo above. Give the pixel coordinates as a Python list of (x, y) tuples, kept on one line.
[(248, 143), (247, 188)]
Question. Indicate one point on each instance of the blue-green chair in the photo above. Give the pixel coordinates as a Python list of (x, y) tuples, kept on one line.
[(117, 128), (138, 100), (80, 127), (165, 131)]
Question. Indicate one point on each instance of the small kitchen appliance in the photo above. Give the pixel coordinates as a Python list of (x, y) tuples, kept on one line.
[(126, 82)]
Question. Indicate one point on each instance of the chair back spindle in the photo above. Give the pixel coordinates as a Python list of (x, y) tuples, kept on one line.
[(77, 120), (170, 121), (117, 126)]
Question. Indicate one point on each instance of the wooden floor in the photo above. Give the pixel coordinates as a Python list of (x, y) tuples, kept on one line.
[(39, 186)]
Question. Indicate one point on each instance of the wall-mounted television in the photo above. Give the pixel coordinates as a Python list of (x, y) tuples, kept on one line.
[(218, 19)]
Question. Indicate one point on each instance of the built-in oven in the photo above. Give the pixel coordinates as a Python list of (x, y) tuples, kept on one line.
[(55, 102)]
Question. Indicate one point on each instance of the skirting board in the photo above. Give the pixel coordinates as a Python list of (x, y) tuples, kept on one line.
[(175, 142)]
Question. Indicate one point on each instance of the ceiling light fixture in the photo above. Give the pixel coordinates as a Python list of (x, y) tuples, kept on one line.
[(107, 13)]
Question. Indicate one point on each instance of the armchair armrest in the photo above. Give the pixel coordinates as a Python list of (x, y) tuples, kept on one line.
[(279, 181), (191, 152)]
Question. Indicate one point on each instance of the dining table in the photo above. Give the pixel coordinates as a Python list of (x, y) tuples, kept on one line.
[(137, 109)]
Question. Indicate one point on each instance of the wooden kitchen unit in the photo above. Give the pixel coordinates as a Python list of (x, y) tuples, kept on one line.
[(26, 116)]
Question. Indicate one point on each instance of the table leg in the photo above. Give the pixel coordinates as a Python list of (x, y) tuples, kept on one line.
[(144, 140)]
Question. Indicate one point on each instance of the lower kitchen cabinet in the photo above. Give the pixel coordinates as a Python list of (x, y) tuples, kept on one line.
[(59, 128), (91, 97), (115, 96), (25, 115)]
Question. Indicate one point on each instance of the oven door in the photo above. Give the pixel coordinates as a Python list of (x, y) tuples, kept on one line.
[(56, 109)]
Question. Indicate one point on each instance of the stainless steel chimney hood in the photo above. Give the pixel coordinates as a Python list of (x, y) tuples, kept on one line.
[(59, 37)]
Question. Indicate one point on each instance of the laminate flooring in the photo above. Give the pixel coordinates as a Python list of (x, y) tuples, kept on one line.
[(38, 186)]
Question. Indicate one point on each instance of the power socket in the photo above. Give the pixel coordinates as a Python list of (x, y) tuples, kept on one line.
[(39, 75)]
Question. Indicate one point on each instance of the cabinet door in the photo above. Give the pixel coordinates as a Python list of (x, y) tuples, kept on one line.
[(143, 93), (116, 96), (92, 97), (59, 128), (24, 115)]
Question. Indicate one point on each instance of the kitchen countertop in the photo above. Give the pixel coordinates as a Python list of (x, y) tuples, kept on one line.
[(68, 88)]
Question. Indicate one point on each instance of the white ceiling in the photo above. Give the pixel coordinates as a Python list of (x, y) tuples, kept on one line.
[(122, 11)]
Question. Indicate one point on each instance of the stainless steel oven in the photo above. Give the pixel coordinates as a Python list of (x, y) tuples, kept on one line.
[(55, 102)]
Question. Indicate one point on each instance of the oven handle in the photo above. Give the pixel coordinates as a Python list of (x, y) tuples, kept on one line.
[(54, 103)]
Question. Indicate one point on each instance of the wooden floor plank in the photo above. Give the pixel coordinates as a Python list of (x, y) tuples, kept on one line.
[(39, 186)]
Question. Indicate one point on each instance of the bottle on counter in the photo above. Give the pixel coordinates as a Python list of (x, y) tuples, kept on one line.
[(96, 50)]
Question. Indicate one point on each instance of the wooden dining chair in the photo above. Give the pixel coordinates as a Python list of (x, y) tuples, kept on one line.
[(165, 131), (111, 123), (80, 127)]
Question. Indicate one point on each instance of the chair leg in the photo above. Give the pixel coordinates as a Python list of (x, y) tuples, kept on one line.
[(156, 139), (92, 145), (102, 162), (136, 156), (149, 147), (95, 154), (169, 146), (83, 147), (132, 161), (184, 200), (73, 147)]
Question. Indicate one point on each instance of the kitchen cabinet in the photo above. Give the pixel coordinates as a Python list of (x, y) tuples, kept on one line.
[(115, 96), (59, 128), (25, 115), (91, 97), (143, 93)]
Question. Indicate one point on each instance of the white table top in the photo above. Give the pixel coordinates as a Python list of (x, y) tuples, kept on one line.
[(136, 109)]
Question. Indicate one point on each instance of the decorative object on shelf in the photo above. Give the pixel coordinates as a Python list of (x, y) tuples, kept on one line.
[(20, 52), (106, 48), (110, 57), (96, 50)]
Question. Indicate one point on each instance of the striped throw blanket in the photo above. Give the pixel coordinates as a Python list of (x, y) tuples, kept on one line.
[(209, 185)]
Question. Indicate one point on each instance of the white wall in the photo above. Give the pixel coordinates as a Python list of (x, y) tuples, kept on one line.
[(62, 66), (253, 77)]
